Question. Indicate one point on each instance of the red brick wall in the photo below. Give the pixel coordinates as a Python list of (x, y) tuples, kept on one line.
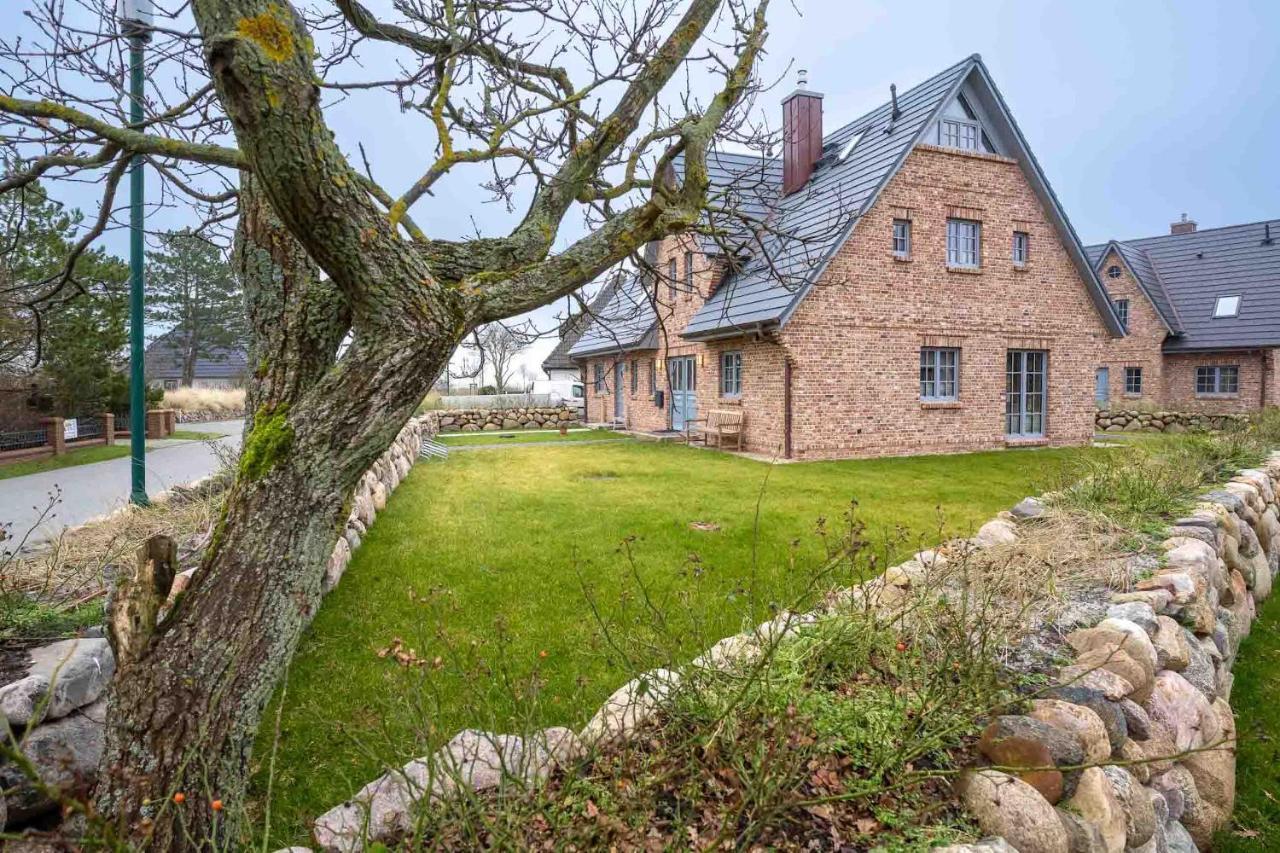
[(855, 340), (1180, 382), (1140, 348)]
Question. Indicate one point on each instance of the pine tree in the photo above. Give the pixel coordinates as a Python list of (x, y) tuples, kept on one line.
[(191, 288)]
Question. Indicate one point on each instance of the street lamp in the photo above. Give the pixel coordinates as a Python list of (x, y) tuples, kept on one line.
[(135, 18)]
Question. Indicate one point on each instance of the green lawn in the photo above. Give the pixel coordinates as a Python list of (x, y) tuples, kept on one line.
[(482, 561), (86, 455), (527, 437), (1256, 822)]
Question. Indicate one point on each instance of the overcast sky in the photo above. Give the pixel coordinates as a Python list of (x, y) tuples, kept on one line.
[(1137, 111)]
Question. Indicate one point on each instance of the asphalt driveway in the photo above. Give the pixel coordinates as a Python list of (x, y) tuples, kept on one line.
[(98, 488)]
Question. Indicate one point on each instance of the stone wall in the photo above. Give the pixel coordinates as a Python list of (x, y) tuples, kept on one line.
[(493, 420), (1132, 420), (1145, 701)]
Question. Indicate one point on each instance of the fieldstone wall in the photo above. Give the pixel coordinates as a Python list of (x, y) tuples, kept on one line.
[(492, 420), (197, 416), (1122, 420), (1143, 707), (1132, 749)]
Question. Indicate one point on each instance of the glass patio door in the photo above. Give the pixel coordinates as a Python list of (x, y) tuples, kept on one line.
[(1026, 393)]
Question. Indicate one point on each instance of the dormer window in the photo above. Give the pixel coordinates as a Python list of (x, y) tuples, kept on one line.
[(1113, 271), (954, 133), (1226, 306)]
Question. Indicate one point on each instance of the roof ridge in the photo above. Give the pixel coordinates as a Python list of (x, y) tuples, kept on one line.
[(1199, 231), (866, 116)]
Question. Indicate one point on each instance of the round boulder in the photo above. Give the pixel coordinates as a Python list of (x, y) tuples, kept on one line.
[(1012, 809)]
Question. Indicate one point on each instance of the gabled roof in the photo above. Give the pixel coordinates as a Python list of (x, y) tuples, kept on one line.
[(1143, 272), (809, 226), (1195, 269), (573, 327), (163, 360), (627, 321)]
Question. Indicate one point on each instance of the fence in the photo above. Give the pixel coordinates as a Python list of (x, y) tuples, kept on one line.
[(54, 438), (495, 401)]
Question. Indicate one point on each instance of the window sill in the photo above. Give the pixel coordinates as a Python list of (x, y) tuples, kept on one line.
[(965, 270), (1022, 267), (940, 404), (1132, 396), (1013, 441), (900, 259), (1218, 396)]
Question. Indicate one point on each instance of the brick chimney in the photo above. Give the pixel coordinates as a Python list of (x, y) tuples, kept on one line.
[(1183, 226), (801, 135)]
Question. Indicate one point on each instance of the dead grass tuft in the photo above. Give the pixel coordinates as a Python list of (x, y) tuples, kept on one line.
[(216, 400)]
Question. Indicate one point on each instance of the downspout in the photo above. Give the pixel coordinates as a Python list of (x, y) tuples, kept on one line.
[(786, 407)]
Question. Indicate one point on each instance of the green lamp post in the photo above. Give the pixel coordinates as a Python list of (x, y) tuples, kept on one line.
[(135, 18)]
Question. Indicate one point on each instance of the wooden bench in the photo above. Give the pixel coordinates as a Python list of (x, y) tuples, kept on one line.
[(719, 424)]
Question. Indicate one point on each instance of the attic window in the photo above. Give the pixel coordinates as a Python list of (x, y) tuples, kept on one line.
[(1226, 306), (853, 143), (1113, 271), (953, 133)]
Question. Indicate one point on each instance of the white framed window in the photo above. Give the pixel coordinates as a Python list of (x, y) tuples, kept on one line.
[(964, 243), (635, 378), (731, 374), (598, 375), (902, 238), (954, 133), (1226, 306), (1218, 379), (939, 373), (1133, 380), (671, 278), (688, 274), (653, 376), (1122, 313), (1021, 248)]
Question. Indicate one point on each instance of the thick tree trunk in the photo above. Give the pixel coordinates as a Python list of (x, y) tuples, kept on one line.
[(183, 713)]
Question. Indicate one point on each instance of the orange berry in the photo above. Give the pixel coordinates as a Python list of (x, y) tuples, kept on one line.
[(902, 647), (542, 654), (179, 798), (216, 805)]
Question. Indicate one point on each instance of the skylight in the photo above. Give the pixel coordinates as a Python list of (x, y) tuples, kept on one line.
[(853, 143), (1226, 306)]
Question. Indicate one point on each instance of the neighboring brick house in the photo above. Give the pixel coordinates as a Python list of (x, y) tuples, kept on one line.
[(1203, 310), (917, 289)]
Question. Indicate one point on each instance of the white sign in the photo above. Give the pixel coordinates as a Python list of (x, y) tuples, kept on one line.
[(135, 11), (70, 429)]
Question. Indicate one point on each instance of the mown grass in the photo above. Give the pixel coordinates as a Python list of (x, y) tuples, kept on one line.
[(497, 571), (529, 437), (89, 455), (1256, 822)]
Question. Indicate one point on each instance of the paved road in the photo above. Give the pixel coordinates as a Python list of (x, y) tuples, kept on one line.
[(98, 488)]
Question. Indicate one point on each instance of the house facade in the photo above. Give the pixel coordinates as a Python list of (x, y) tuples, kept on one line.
[(905, 284), (166, 357), (1202, 310)]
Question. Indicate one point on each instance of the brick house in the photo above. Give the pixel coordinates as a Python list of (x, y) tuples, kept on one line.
[(1202, 310), (915, 288)]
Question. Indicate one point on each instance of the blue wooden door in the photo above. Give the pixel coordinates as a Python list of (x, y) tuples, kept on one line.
[(619, 371), (684, 388)]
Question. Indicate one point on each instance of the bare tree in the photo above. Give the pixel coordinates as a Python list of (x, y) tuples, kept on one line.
[(567, 107), (498, 345)]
